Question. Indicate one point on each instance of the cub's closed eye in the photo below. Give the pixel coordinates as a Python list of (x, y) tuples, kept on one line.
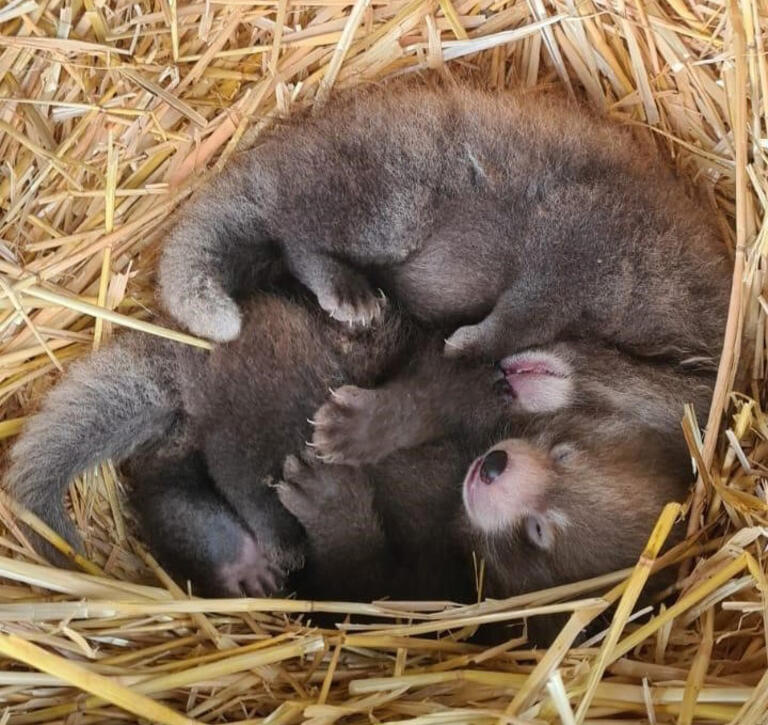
[(562, 452)]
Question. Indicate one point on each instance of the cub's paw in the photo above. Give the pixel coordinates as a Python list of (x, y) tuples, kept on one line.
[(334, 504), (307, 487), (229, 563), (317, 494), (350, 299), (250, 573), (467, 342), (349, 427)]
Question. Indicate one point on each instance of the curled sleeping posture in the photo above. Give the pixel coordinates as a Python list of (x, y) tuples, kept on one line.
[(147, 393), (234, 414), (567, 491), (556, 503), (560, 501), (521, 219)]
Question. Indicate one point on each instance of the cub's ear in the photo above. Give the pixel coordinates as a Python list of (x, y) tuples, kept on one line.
[(540, 530), (538, 381)]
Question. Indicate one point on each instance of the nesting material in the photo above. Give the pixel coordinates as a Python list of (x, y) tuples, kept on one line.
[(111, 112)]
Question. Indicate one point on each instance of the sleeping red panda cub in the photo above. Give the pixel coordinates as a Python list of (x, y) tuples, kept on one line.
[(206, 435), (518, 218)]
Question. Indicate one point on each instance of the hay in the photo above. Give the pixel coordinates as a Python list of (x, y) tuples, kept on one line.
[(109, 113)]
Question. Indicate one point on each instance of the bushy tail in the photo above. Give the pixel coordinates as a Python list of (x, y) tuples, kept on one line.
[(107, 405), (219, 249)]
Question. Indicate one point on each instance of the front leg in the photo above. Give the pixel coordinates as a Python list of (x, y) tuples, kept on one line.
[(226, 242), (438, 397), (336, 507), (433, 398), (345, 294)]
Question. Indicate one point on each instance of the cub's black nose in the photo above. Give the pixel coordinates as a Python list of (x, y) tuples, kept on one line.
[(493, 466)]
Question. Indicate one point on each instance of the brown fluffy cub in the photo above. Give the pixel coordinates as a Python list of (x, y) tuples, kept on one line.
[(521, 218), (557, 503), (244, 407)]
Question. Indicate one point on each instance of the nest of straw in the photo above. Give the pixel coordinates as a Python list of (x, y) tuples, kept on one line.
[(110, 112)]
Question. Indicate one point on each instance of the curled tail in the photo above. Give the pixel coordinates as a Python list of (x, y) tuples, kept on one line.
[(106, 406), (219, 249)]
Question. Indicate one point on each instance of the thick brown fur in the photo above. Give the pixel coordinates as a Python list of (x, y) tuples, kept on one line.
[(522, 217), (244, 407), (433, 397), (232, 416), (604, 459), (399, 529)]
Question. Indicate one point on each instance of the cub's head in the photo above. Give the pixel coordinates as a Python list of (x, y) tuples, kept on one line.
[(576, 492)]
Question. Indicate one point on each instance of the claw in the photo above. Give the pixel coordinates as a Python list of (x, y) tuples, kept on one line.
[(311, 422), (334, 394)]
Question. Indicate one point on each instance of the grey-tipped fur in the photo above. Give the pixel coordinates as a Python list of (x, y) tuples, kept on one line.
[(107, 406), (521, 217), (245, 406), (251, 408)]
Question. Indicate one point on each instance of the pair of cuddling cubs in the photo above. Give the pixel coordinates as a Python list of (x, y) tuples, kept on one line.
[(520, 228), (552, 466)]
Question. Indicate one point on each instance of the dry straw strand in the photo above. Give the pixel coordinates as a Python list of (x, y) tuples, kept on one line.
[(112, 113)]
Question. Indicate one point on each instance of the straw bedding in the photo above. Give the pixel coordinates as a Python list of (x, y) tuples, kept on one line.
[(111, 112)]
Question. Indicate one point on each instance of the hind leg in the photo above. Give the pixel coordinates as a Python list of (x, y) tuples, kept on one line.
[(193, 531), (345, 294)]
